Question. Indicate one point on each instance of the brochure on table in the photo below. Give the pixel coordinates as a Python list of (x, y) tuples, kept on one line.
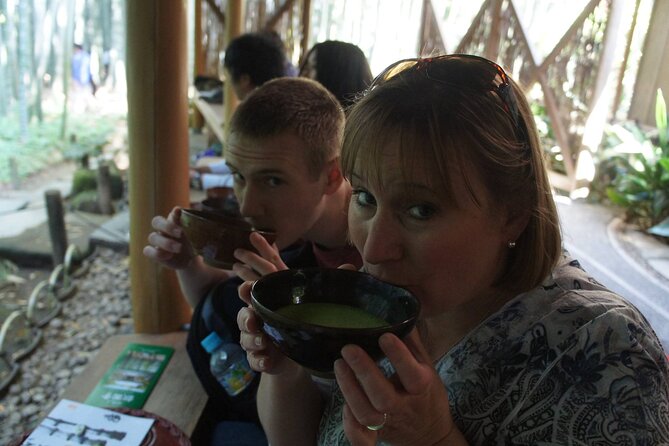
[(72, 423), (132, 377)]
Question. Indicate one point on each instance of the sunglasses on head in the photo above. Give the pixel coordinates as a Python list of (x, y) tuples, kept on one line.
[(473, 73)]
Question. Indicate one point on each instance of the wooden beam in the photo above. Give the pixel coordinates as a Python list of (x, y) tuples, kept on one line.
[(217, 12), (654, 66), (235, 14), (476, 22), (272, 21), (492, 45), (306, 26), (561, 133), (157, 76), (576, 24), (422, 40), (198, 56), (623, 65), (430, 33)]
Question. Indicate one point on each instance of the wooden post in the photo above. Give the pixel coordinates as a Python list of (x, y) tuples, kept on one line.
[(198, 57), (306, 26), (654, 66), (492, 45), (623, 65), (14, 173), (234, 22), (56, 221), (158, 147), (104, 190)]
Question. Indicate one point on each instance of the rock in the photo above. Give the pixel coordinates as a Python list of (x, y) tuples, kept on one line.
[(39, 398), (56, 323), (63, 374), (100, 309), (14, 389), (29, 410)]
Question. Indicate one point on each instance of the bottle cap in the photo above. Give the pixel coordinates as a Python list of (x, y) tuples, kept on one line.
[(211, 342)]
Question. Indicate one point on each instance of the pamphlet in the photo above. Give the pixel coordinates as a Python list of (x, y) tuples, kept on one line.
[(130, 380), (72, 423)]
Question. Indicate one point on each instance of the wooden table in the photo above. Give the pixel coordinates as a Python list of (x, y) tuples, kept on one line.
[(213, 116), (178, 395)]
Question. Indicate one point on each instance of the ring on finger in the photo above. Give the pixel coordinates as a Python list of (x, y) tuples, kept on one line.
[(377, 427)]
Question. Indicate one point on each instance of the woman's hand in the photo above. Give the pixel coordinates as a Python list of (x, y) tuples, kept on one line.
[(167, 244), (412, 405), (262, 355), (254, 265)]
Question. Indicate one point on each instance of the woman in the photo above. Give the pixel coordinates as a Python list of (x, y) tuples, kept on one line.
[(340, 67), (515, 343)]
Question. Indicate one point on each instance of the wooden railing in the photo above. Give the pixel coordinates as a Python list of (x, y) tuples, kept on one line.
[(571, 76)]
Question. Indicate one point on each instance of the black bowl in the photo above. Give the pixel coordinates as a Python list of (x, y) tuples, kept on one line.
[(316, 347), (215, 236)]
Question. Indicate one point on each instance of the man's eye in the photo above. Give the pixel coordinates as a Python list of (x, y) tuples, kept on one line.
[(422, 211), (274, 181), (237, 177), (363, 198)]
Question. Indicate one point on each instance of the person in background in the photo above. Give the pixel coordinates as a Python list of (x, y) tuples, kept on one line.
[(250, 60), (340, 67), (283, 152), (515, 343), (81, 68), (289, 70)]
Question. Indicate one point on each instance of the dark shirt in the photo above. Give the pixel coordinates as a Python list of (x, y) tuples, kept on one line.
[(218, 312)]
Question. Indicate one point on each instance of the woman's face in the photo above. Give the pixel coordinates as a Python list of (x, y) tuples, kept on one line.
[(411, 235)]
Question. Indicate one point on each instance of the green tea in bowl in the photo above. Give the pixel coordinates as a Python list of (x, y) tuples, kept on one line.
[(331, 315), (311, 313)]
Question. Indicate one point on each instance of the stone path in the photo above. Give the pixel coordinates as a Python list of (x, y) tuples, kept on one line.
[(100, 308)]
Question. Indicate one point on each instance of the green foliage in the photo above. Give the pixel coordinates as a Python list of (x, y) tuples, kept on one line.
[(547, 137), (43, 145), (87, 180), (7, 270), (85, 201), (83, 180), (634, 172)]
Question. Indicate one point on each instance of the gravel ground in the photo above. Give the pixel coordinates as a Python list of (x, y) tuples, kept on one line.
[(99, 309)]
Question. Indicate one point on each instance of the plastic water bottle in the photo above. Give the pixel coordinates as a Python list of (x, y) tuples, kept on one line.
[(228, 364)]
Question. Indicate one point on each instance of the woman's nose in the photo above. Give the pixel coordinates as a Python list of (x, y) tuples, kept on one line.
[(383, 241)]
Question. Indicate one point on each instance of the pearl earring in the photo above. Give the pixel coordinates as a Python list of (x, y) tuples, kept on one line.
[(511, 245)]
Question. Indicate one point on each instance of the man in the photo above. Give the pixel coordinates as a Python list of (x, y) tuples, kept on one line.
[(283, 152), (250, 60)]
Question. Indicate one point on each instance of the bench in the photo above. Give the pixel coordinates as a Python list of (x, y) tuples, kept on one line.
[(213, 116), (178, 395)]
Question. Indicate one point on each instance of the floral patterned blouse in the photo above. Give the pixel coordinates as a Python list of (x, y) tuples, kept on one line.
[(568, 363)]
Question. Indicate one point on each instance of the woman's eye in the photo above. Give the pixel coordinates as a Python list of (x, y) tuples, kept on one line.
[(422, 211), (363, 198)]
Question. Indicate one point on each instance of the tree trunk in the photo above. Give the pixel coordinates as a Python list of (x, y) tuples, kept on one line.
[(23, 58), (5, 86), (68, 41)]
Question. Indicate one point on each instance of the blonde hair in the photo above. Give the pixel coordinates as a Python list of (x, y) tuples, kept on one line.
[(297, 105), (450, 130)]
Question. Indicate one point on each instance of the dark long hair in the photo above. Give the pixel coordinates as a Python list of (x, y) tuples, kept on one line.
[(342, 68)]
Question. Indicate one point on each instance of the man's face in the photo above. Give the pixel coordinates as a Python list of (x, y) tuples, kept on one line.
[(274, 186)]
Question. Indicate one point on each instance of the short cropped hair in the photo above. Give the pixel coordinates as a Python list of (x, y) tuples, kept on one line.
[(452, 132), (256, 55), (297, 105)]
